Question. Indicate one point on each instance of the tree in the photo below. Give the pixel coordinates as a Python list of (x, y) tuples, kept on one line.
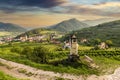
[(97, 41), (109, 43)]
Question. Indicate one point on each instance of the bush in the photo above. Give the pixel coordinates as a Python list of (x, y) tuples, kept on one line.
[(40, 55), (27, 51), (109, 43), (96, 48)]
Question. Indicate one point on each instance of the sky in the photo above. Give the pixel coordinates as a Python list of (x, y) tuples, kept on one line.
[(41, 13)]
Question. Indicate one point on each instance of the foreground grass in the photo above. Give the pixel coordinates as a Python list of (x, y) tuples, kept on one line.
[(105, 63), (4, 76), (59, 68)]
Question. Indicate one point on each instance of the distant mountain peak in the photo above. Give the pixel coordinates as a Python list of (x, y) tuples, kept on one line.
[(73, 19), (69, 25)]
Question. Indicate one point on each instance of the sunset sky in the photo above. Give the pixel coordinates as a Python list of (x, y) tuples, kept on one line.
[(34, 13)]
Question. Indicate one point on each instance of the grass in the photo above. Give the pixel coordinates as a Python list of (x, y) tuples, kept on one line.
[(4, 76), (104, 63), (107, 65)]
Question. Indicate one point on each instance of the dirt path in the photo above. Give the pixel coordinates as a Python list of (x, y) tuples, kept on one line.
[(114, 76), (26, 72), (23, 71)]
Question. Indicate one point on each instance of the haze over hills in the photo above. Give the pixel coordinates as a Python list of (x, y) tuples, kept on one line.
[(105, 31), (69, 25), (9, 27), (99, 21)]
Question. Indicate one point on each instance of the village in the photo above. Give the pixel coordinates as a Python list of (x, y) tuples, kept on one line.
[(37, 38), (48, 38)]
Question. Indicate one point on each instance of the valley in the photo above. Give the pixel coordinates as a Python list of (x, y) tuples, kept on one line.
[(49, 52)]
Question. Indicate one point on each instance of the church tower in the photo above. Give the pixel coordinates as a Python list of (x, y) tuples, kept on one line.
[(74, 48)]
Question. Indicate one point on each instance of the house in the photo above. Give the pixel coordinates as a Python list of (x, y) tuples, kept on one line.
[(23, 38), (83, 40), (103, 45), (1, 42), (67, 44)]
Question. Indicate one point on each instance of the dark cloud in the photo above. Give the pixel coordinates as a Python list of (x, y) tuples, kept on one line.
[(10, 6), (12, 9), (35, 3), (22, 5)]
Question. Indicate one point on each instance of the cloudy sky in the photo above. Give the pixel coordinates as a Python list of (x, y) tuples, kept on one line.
[(33, 13)]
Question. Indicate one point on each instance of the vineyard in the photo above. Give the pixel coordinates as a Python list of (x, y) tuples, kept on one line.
[(104, 53), (54, 57)]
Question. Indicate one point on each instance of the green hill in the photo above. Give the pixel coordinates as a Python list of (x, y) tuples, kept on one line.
[(105, 31), (69, 25), (11, 27)]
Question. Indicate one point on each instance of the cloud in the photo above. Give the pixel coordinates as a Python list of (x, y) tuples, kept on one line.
[(23, 5), (106, 4), (90, 2), (33, 3), (102, 9)]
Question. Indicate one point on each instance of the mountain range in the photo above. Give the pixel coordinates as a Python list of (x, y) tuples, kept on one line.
[(69, 25), (64, 26)]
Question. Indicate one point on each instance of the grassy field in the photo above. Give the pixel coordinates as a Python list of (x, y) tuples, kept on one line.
[(106, 64)]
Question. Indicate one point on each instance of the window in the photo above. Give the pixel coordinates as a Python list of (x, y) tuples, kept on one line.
[(74, 40)]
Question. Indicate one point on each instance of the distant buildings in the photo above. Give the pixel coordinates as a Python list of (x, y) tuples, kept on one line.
[(52, 38)]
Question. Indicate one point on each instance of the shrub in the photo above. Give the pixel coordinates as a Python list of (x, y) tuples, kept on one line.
[(27, 51), (109, 43), (40, 55)]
